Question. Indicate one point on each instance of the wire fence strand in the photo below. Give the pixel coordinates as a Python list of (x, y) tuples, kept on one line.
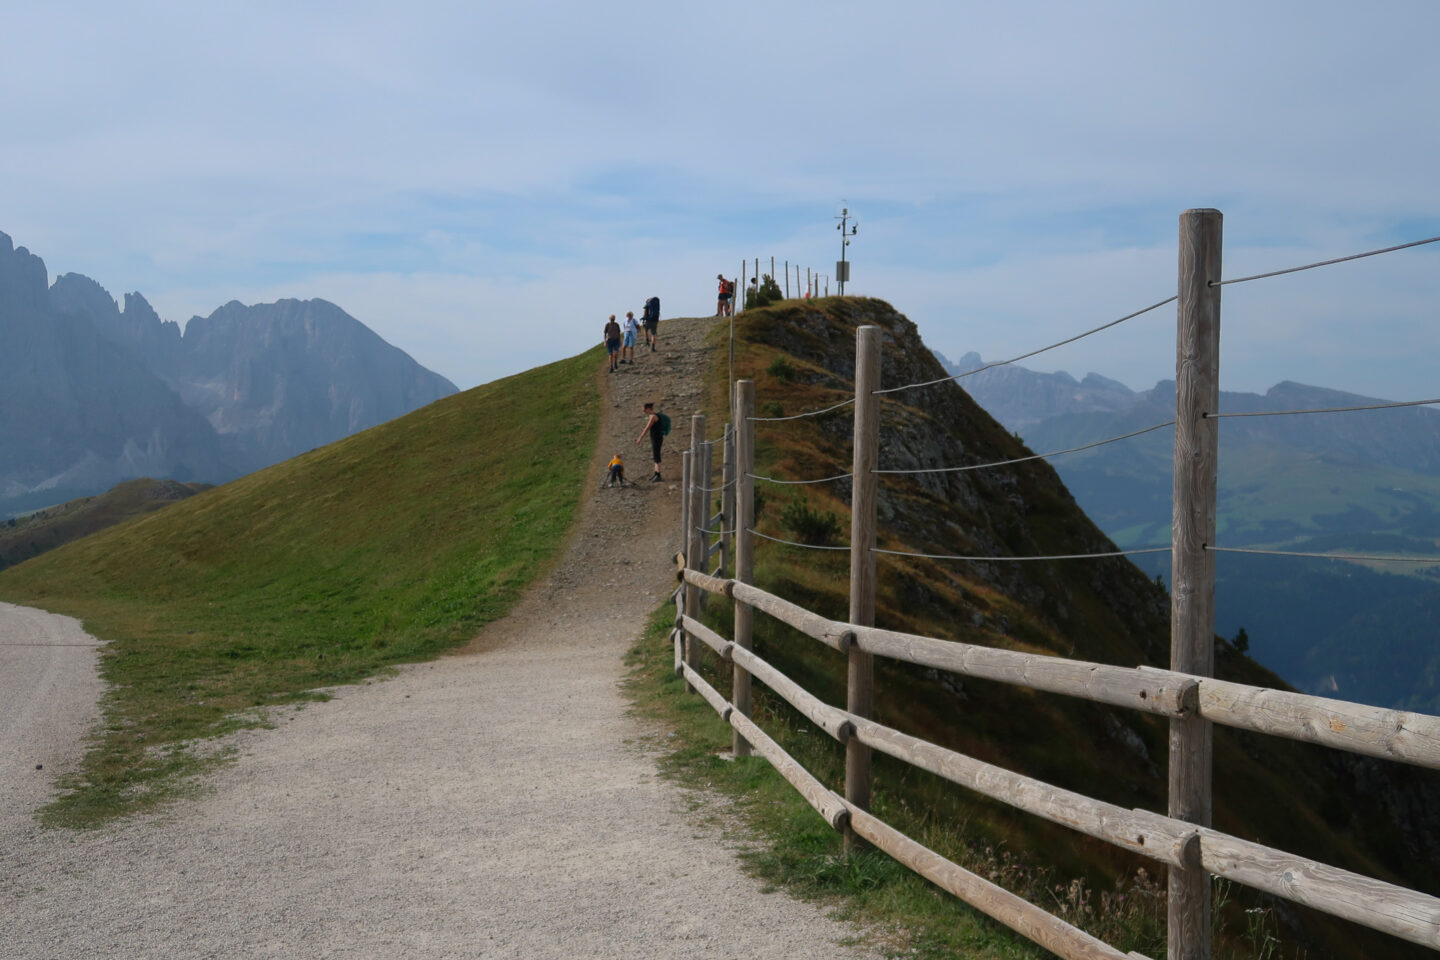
[(1324, 556), (794, 483), (801, 416), (1061, 556), (1033, 456), (1325, 263), (1032, 353), (792, 543), (1289, 413)]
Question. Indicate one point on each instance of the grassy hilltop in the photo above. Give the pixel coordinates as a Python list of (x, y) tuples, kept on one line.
[(384, 548)]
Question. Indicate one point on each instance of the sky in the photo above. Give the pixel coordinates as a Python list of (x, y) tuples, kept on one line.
[(483, 184)]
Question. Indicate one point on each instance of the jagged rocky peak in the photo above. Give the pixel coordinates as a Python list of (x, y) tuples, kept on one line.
[(23, 277), (78, 294)]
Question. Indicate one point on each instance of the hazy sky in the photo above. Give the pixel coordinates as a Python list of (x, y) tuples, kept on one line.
[(483, 183)]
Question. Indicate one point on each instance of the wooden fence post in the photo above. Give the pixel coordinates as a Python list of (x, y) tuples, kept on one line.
[(727, 502), (687, 549), (744, 545), (1192, 577), (740, 293), (860, 685), (698, 553)]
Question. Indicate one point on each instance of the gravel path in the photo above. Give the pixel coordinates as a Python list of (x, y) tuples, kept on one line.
[(494, 803)]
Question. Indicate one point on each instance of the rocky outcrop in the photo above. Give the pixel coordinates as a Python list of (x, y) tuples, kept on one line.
[(91, 394)]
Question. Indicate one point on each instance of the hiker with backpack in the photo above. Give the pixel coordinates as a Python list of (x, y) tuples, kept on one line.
[(612, 341), (651, 316), (657, 425), (724, 304)]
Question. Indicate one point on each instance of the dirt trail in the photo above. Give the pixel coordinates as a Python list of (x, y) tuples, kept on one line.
[(494, 803)]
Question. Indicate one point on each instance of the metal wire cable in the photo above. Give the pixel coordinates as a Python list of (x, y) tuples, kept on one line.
[(1323, 556), (792, 483), (792, 543), (1286, 413), (799, 416), (1032, 353), (1034, 456), (723, 486), (1063, 556), (1325, 263)]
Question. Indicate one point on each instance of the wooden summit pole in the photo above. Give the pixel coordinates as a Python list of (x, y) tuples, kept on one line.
[(1192, 572), (860, 683), (744, 545)]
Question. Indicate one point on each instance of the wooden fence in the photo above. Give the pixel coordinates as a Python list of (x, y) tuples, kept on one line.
[(1187, 693)]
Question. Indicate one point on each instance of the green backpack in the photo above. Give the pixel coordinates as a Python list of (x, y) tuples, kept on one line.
[(664, 424)]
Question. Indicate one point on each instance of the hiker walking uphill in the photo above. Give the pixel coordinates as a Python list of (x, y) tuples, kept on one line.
[(725, 299), (612, 341), (632, 330), (651, 316), (657, 425)]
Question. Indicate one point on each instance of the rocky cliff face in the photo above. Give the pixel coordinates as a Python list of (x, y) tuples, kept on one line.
[(283, 378), (75, 413), (91, 394)]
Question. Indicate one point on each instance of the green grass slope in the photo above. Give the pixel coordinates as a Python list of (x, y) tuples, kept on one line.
[(31, 535), (387, 547)]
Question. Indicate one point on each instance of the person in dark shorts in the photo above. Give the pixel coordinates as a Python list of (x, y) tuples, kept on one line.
[(612, 341), (651, 316), (655, 424)]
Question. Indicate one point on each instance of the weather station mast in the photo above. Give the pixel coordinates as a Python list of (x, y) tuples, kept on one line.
[(847, 230)]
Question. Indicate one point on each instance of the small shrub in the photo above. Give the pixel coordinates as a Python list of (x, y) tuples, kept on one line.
[(773, 408), (766, 293), (807, 525), (781, 369)]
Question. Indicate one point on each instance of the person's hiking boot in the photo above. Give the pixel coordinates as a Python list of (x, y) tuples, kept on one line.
[(655, 478)]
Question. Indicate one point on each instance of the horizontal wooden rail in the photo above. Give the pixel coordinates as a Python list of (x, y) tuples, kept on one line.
[(1381, 906), (704, 634), (1372, 731), (1139, 831), (832, 633), (830, 719), (709, 584), (1373, 903), (1397, 735), (1153, 691), (1018, 914), (715, 548), (825, 802)]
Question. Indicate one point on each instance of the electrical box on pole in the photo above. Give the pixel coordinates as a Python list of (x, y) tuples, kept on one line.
[(842, 271), (847, 230)]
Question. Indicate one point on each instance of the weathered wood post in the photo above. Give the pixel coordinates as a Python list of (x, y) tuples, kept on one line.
[(787, 279), (860, 685), (740, 292), (1192, 577), (727, 503), (707, 505), (744, 544), (697, 554), (687, 594)]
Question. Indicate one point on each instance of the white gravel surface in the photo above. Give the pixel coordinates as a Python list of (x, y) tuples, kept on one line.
[(494, 803)]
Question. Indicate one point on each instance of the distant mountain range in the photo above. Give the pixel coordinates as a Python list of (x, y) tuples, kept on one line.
[(1359, 483), (92, 394)]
